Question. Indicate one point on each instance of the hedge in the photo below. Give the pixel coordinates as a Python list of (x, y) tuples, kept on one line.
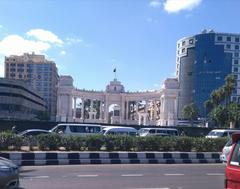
[(9, 141)]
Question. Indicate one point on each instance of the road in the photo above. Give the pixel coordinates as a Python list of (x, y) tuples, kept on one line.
[(148, 176)]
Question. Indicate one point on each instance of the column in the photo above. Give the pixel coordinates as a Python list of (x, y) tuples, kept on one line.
[(155, 111), (100, 110), (127, 109), (122, 111), (82, 110), (74, 107)]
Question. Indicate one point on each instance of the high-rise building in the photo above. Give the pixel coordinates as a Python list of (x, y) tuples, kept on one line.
[(202, 63), (41, 74)]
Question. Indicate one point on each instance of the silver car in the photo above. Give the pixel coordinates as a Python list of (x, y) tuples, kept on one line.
[(9, 174)]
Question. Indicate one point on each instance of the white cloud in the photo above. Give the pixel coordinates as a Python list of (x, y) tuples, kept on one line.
[(63, 53), (173, 6), (1, 26), (73, 40), (45, 36), (17, 45), (155, 3)]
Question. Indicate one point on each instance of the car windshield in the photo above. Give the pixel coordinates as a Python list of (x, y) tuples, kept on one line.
[(215, 133), (235, 159)]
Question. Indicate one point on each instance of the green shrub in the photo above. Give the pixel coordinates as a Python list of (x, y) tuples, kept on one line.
[(94, 142), (74, 143), (184, 144), (11, 141), (49, 141)]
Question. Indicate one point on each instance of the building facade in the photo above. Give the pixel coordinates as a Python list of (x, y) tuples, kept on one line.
[(39, 72), (116, 106), (19, 101), (202, 63)]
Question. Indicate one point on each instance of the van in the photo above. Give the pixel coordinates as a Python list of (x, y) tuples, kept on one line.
[(217, 133), (115, 130), (158, 132), (77, 129), (232, 170)]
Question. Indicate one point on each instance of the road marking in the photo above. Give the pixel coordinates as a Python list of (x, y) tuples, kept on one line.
[(132, 175), (173, 174), (87, 175), (215, 174), (36, 177), (149, 188)]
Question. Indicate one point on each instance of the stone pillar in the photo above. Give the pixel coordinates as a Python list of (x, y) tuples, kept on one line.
[(122, 111), (82, 113), (74, 107), (127, 109), (100, 110), (155, 111)]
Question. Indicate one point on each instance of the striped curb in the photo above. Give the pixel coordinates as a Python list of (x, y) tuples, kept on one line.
[(73, 158)]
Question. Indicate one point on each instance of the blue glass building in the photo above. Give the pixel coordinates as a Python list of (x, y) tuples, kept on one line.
[(203, 62)]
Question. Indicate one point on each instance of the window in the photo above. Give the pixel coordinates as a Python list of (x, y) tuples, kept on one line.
[(236, 46), (191, 41), (228, 38), (219, 38), (183, 43), (235, 159), (228, 46), (235, 69), (235, 61), (236, 54), (183, 50), (237, 39), (178, 45)]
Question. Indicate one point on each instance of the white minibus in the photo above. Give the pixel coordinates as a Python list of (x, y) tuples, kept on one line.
[(158, 132), (217, 133), (77, 129), (116, 130)]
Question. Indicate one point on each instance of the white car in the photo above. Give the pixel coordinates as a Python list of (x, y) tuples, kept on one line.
[(226, 151), (217, 133)]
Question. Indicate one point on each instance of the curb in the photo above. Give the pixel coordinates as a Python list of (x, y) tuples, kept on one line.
[(74, 158)]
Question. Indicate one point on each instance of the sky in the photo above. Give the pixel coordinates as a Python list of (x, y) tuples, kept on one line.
[(87, 39)]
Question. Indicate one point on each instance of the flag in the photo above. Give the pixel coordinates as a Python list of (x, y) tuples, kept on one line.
[(114, 70)]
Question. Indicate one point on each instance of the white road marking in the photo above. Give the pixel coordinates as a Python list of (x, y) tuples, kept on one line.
[(215, 174), (173, 174), (132, 175), (149, 188), (37, 177), (87, 175)]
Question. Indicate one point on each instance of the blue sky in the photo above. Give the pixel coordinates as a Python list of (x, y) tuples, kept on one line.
[(89, 38)]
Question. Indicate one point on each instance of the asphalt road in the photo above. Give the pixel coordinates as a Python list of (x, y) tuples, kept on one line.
[(148, 176)]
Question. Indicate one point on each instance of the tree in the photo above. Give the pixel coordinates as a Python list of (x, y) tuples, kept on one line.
[(190, 112), (219, 105), (220, 115), (233, 114)]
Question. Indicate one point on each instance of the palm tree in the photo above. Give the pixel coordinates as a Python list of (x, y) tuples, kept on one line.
[(190, 112)]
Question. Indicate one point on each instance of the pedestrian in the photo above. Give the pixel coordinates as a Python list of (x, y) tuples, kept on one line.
[(14, 129)]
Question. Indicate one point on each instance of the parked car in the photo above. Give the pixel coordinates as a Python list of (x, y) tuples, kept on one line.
[(9, 174), (226, 151), (216, 133), (33, 132), (232, 180), (158, 132), (116, 130)]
